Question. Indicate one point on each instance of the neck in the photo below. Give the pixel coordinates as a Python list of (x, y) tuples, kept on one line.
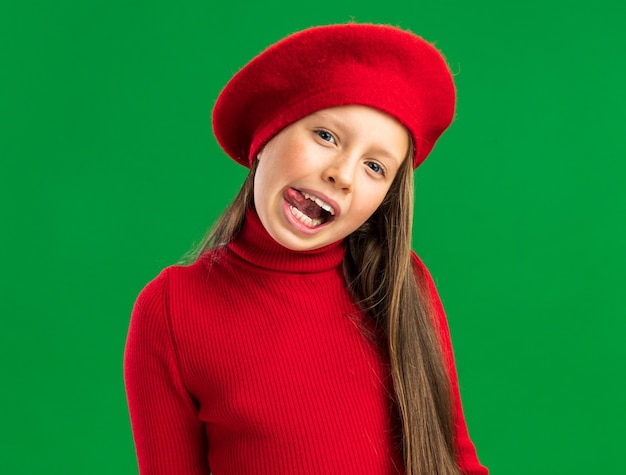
[(254, 245)]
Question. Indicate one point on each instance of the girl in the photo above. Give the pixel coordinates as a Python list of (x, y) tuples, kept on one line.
[(305, 336)]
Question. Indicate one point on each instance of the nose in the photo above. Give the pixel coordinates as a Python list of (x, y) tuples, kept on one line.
[(340, 173)]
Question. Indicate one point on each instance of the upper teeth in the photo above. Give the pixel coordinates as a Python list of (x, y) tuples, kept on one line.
[(320, 203)]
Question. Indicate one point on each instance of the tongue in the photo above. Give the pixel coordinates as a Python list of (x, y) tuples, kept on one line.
[(297, 199)]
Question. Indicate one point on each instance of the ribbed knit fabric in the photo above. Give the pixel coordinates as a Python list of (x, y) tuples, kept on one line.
[(253, 360)]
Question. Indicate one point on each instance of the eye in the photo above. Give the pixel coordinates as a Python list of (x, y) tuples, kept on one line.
[(376, 168), (325, 135)]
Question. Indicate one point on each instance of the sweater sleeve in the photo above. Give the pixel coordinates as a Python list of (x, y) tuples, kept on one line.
[(466, 452), (169, 437)]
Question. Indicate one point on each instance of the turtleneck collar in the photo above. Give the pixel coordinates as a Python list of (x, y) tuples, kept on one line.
[(254, 245)]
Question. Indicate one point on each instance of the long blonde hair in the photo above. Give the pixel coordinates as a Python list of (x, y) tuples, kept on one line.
[(379, 273)]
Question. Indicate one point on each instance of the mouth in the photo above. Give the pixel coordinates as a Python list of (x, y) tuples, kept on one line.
[(309, 209)]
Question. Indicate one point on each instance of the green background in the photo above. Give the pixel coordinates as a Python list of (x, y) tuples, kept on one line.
[(109, 172)]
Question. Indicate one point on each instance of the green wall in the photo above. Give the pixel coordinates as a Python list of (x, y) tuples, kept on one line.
[(109, 172)]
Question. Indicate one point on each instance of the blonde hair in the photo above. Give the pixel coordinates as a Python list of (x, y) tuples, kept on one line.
[(390, 291)]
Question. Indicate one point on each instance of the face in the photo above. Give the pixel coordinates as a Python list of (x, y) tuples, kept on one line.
[(323, 176)]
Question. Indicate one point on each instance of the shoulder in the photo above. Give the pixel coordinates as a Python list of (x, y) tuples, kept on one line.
[(162, 307), (418, 264), (428, 289), (424, 278), (422, 274), (170, 282), (151, 297)]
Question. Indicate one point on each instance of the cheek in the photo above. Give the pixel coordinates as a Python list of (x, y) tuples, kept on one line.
[(375, 196), (262, 183), (365, 206)]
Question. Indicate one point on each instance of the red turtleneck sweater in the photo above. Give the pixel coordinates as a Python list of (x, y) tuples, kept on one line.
[(252, 361)]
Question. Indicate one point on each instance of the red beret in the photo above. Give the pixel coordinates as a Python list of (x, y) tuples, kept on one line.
[(379, 66)]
